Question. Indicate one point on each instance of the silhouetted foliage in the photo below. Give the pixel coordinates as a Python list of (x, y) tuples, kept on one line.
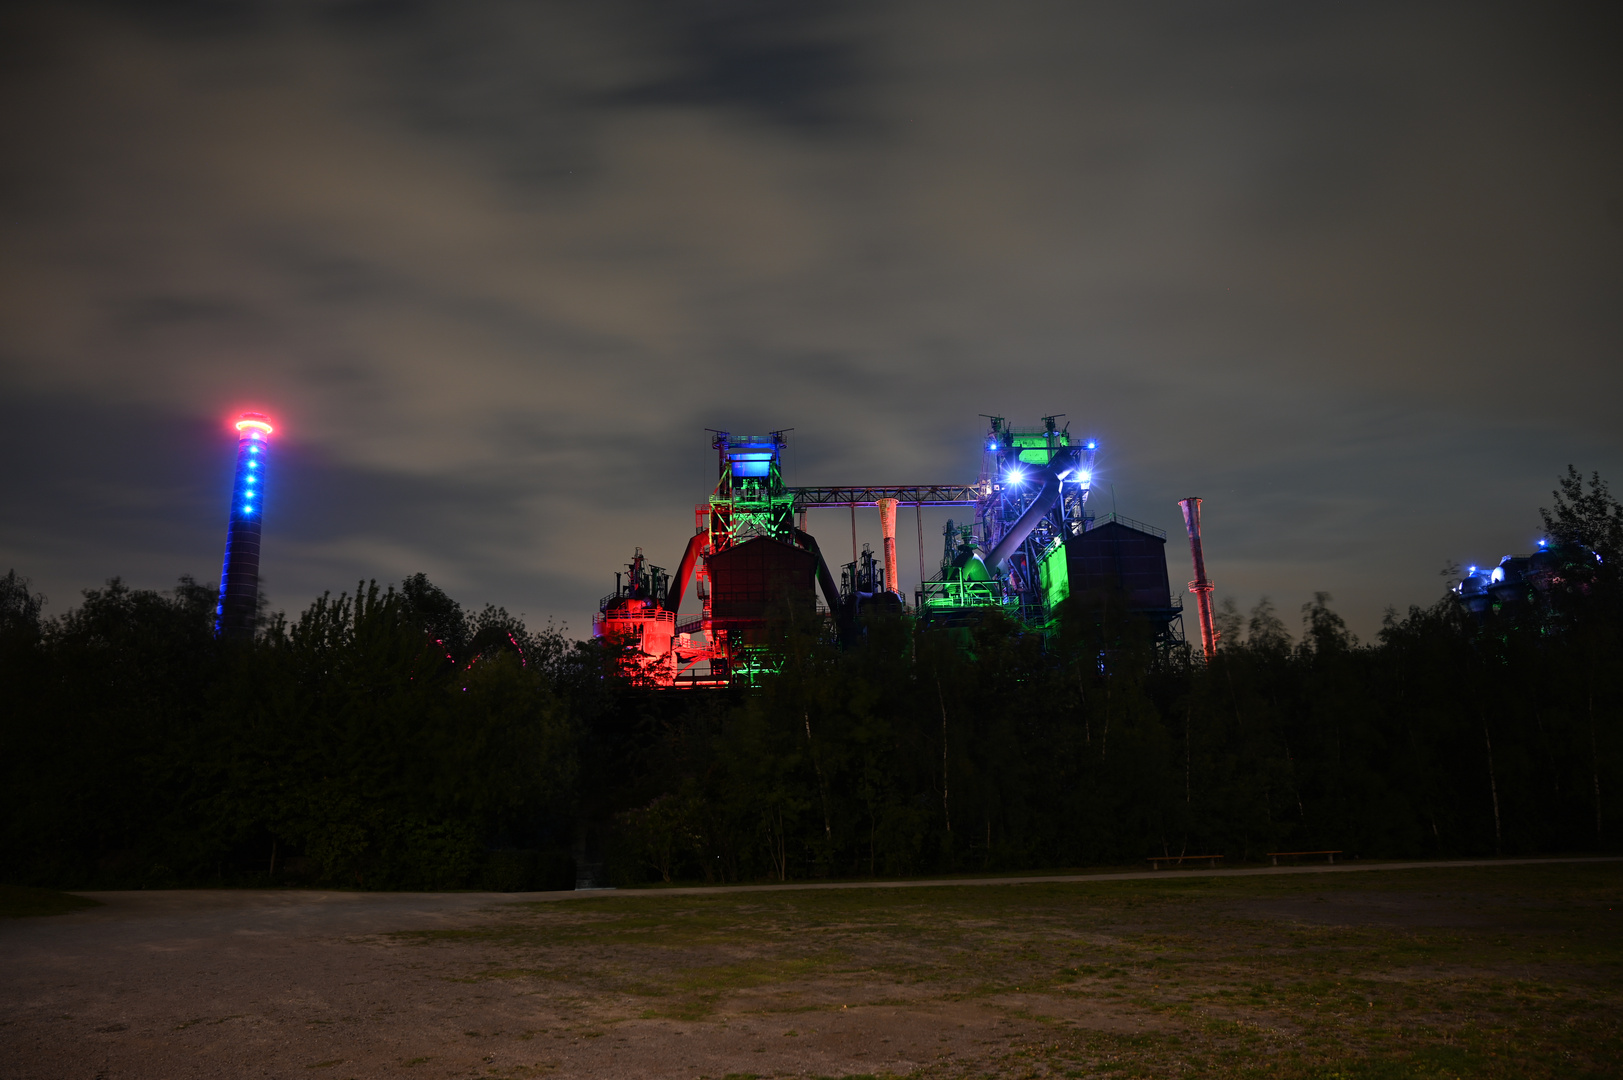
[(383, 739), (391, 739)]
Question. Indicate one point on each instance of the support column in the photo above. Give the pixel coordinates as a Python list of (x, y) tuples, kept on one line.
[(918, 512)]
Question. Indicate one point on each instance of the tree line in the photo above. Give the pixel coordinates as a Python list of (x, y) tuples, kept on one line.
[(391, 738)]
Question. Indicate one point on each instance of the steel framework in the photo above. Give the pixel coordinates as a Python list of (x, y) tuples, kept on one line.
[(1029, 542), (907, 495)]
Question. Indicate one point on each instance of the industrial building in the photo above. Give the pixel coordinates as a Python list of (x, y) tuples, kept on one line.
[(1029, 541), (1522, 583)]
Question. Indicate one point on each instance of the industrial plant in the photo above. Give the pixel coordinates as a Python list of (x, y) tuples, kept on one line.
[(1029, 540), (1523, 583)]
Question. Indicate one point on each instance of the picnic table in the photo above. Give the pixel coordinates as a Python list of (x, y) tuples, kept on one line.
[(1277, 855), (1155, 861)]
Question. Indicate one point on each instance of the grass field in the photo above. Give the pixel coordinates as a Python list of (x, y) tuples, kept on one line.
[(1492, 972), (18, 902)]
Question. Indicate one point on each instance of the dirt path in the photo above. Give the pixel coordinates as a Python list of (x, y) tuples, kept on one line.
[(677, 982), (1115, 875), (179, 984)]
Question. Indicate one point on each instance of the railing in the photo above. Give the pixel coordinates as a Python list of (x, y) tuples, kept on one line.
[(654, 614), (954, 593), (1122, 519)]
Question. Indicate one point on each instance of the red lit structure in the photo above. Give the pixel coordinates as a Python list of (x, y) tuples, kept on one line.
[(1201, 587), (748, 563), (635, 619)]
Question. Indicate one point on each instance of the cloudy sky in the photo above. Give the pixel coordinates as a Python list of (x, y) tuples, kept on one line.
[(1351, 272)]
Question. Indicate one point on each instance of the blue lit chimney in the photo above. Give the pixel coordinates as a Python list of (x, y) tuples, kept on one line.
[(237, 610)]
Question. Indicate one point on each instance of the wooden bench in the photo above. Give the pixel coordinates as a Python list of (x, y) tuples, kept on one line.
[(1277, 855), (1155, 861)]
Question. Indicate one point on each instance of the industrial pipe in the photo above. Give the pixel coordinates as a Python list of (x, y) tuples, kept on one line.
[(1201, 587), (684, 571), (887, 529), (825, 579), (1059, 468)]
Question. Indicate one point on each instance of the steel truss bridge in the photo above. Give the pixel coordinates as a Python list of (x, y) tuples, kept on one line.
[(915, 495)]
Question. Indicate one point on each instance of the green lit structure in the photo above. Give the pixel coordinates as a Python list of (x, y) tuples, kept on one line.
[(1033, 543), (751, 567)]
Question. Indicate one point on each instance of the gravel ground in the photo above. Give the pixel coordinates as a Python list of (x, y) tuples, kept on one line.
[(209, 983), (299, 983)]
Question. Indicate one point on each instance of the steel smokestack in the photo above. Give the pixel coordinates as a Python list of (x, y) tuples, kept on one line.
[(1201, 587), (887, 529)]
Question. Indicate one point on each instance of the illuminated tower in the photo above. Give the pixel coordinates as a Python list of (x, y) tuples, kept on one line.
[(239, 581), (1201, 587)]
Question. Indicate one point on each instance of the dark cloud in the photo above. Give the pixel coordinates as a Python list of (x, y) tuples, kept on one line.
[(1351, 273), (779, 60)]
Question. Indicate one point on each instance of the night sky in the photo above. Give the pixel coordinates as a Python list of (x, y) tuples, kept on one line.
[(1351, 272)]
